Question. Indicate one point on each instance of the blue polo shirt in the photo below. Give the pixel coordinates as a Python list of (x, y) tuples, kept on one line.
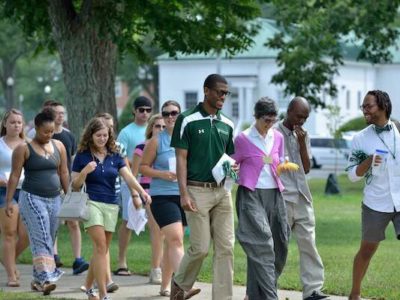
[(100, 184)]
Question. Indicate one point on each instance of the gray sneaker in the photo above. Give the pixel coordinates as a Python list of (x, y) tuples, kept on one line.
[(155, 276)]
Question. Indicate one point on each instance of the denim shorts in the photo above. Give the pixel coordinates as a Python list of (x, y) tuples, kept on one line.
[(3, 191)]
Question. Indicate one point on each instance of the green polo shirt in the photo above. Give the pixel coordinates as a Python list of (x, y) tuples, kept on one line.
[(206, 138)]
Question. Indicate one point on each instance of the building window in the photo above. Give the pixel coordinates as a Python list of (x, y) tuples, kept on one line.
[(348, 99), (358, 98), (190, 99), (235, 109), (283, 101), (118, 89)]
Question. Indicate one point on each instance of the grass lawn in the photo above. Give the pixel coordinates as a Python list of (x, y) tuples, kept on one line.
[(338, 238)]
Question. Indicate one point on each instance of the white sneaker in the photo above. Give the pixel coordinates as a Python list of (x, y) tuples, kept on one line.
[(155, 276)]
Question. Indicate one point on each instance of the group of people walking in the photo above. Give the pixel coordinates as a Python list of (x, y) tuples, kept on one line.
[(175, 152)]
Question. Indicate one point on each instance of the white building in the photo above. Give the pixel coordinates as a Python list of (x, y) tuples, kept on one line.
[(249, 74)]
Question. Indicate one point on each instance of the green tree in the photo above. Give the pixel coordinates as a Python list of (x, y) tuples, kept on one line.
[(13, 46), (34, 73), (89, 35), (355, 124), (314, 34)]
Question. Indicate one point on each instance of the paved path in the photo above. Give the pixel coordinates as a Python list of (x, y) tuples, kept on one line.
[(131, 287)]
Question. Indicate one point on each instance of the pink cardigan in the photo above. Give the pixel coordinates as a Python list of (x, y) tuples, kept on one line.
[(251, 161)]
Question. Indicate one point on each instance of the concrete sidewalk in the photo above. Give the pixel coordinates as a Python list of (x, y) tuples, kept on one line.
[(131, 287)]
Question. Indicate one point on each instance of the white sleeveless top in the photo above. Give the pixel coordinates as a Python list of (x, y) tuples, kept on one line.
[(5, 162)]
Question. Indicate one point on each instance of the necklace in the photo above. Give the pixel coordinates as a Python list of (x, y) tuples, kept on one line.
[(46, 154), (393, 153)]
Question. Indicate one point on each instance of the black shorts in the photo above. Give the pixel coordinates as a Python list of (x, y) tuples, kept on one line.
[(167, 210)]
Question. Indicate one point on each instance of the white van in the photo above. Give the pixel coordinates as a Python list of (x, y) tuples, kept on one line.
[(329, 152)]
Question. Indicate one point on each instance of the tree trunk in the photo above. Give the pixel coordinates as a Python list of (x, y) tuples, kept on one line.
[(88, 61)]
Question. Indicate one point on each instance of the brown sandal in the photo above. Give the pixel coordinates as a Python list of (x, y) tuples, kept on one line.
[(13, 283), (35, 286), (47, 288)]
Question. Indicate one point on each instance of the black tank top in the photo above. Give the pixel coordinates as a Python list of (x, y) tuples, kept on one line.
[(41, 174)]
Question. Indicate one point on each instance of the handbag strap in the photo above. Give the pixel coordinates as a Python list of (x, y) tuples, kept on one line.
[(82, 190)]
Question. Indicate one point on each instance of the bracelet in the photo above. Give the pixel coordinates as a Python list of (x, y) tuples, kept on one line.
[(135, 196)]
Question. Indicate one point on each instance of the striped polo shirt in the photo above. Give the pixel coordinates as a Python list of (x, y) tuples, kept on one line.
[(206, 138)]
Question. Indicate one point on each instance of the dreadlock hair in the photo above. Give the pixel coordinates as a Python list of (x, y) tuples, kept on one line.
[(383, 101)]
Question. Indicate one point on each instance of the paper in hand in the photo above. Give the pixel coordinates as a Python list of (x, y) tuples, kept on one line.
[(137, 218)]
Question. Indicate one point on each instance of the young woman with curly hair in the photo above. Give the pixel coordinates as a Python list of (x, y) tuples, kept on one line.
[(98, 164)]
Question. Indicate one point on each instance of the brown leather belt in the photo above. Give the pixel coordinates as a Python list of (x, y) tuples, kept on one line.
[(205, 184)]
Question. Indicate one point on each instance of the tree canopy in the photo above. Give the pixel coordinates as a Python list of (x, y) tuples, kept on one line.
[(314, 34), (89, 36)]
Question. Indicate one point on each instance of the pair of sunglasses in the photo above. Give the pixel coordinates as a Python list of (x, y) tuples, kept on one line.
[(159, 126), (173, 113), (142, 110)]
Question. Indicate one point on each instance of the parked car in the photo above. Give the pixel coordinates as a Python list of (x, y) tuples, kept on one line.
[(328, 151)]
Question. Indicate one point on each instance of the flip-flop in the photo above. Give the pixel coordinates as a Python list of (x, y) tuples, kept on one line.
[(192, 292), (13, 283), (122, 272)]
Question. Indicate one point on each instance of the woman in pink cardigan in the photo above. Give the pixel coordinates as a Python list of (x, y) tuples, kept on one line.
[(262, 230)]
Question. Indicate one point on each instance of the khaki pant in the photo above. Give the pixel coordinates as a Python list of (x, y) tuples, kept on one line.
[(302, 222), (212, 221)]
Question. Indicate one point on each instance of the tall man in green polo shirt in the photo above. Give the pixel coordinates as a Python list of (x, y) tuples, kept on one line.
[(201, 136)]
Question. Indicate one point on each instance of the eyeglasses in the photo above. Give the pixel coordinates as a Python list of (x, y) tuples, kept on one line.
[(269, 120), (142, 110), (367, 107), (173, 113), (159, 126), (221, 93)]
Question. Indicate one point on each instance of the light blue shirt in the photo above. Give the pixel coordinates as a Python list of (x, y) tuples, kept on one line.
[(165, 152), (130, 136)]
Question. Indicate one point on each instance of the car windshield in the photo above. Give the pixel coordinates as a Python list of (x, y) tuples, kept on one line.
[(329, 143), (340, 143)]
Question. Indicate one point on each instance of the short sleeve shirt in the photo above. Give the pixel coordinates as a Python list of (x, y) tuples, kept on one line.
[(69, 142), (295, 182), (100, 184), (131, 136), (206, 138)]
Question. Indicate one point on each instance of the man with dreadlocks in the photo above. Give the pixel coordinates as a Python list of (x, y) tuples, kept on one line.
[(381, 203)]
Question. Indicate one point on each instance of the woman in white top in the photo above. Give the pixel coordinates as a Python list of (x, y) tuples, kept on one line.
[(11, 135)]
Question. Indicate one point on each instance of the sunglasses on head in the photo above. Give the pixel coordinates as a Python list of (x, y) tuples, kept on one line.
[(159, 126), (142, 110), (173, 113)]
